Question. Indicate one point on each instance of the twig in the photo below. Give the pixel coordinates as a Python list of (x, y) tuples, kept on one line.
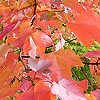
[(34, 13), (25, 56), (89, 63), (68, 41), (20, 59)]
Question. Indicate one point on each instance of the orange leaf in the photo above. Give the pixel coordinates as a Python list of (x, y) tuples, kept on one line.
[(5, 73), (73, 4), (85, 27), (95, 2), (98, 81), (67, 58), (44, 92), (8, 90), (25, 31), (10, 60), (2, 60), (90, 97), (52, 23), (38, 88), (26, 3), (6, 30), (42, 40), (4, 49)]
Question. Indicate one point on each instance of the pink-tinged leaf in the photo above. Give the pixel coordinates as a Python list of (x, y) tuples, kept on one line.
[(19, 16), (39, 66), (26, 86), (26, 96), (96, 93), (6, 30), (60, 44), (32, 52), (42, 40), (24, 31), (67, 90), (44, 1), (92, 54), (47, 41)]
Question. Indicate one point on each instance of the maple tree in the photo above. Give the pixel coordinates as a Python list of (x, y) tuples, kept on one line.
[(49, 50)]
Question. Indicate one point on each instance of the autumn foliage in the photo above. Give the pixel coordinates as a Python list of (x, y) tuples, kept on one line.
[(36, 61)]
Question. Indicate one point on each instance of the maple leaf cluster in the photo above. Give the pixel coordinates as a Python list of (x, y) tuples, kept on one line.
[(34, 64)]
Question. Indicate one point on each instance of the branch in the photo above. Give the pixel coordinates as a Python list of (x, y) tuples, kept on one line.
[(25, 56), (89, 63), (34, 13), (68, 41), (20, 59)]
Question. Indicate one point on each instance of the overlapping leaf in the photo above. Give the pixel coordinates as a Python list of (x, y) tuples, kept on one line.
[(39, 66), (90, 97), (85, 27), (6, 30), (96, 93), (92, 54), (70, 90), (67, 58), (14, 72)]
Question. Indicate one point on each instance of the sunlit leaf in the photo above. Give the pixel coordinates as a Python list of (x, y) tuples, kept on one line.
[(82, 26), (73, 4), (70, 90), (32, 52), (90, 97), (67, 58)]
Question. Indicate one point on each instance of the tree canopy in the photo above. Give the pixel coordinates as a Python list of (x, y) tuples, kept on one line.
[(49, 49)]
